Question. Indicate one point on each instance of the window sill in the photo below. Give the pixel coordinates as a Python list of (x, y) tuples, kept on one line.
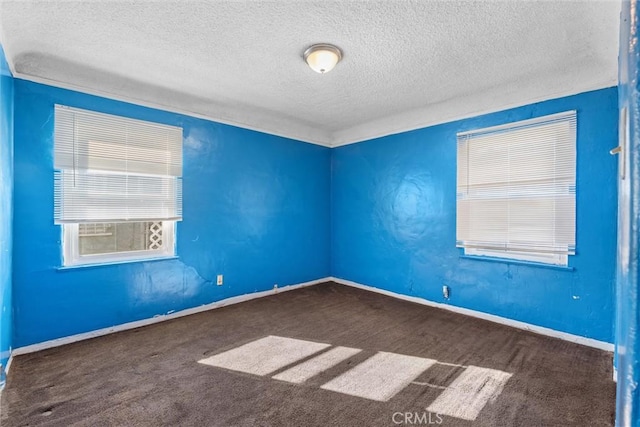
[(109, 263), (518, 262)]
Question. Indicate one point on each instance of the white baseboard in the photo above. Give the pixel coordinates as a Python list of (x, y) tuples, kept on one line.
[(241, 298), (6, 370), (156, 319), (485, 316)]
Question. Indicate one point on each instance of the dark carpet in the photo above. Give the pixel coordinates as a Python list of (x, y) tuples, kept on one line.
[(151, 375)]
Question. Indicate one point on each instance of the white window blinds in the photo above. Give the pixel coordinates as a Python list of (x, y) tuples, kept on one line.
[(115, 169), (516, 187)]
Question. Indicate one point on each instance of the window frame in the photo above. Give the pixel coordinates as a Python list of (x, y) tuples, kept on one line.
[(137, 181), (559, 259), (71, 248)]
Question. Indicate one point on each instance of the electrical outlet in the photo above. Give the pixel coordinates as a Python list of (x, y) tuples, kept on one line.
[(445, 291), (219, 282)]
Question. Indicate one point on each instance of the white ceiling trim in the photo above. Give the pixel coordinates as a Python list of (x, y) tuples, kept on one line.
[(305, 134), (449, 111), (432, 115)]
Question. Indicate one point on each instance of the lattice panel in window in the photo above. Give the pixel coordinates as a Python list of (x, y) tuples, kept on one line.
[(155, 235)]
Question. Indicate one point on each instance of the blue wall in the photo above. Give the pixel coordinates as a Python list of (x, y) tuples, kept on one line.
[(394, 223), (256, 209), (628, 261), (262, 209), (6, 211)]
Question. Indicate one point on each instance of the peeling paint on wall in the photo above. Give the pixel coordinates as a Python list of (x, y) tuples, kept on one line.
[(628, 261)]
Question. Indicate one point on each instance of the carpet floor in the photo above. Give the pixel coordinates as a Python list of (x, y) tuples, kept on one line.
[(325, 355)]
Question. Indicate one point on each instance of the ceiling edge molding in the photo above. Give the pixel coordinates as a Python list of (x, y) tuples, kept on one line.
[(391, 125), (297, 136), (413, 119)]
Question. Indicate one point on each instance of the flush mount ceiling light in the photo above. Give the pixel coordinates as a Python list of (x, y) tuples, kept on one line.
[(322, 57)]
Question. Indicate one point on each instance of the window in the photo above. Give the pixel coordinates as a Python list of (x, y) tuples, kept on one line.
[(516, 190), (118, 186)]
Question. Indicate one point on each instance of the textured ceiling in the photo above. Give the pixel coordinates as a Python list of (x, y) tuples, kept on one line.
[(407, 64)]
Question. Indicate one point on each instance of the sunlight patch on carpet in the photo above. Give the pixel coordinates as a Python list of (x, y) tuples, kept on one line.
[(264, 356)]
